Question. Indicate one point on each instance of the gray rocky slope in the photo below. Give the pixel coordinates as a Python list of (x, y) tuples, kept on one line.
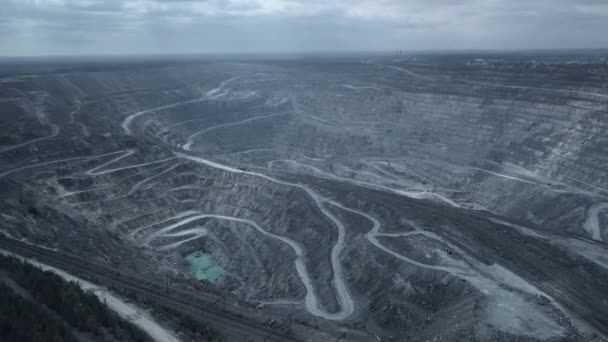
[(415, 199)]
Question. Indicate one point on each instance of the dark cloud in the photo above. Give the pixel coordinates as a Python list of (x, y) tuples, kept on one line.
[(33, 27)]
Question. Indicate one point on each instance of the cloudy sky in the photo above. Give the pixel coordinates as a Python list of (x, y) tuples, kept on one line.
[(76, 27)]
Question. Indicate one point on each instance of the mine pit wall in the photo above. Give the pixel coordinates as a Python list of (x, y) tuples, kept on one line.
[(555, 136), (441, 126)]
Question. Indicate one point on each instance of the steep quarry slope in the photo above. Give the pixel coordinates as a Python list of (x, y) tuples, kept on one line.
[(464, 139), (433, 200)]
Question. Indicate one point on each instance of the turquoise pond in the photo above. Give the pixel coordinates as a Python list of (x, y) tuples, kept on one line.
[(204, 267)]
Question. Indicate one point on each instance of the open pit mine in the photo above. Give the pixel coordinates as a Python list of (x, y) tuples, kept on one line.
[(347, 198)]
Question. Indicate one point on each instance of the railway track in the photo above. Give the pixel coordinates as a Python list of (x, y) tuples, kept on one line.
[(230, 324)]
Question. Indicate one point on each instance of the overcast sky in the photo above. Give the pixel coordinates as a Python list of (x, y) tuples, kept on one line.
[(76, 27)]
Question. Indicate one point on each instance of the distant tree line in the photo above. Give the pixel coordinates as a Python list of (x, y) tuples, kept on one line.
[(57, 310), (23, 320)]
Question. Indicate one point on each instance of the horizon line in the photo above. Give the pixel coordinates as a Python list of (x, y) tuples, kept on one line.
[(304, 53)]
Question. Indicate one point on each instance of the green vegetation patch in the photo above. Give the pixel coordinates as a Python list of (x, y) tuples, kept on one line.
[(57, 310)]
